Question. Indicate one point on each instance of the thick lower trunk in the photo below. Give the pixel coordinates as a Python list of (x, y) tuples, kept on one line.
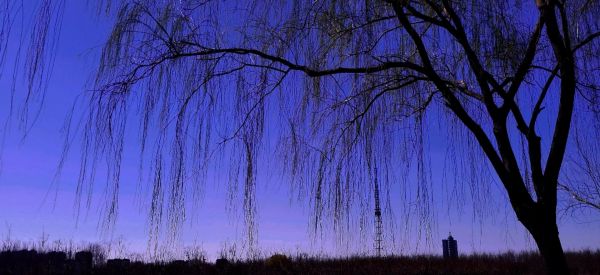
[(548, 242)]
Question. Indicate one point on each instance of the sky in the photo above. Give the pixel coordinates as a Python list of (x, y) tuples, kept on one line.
[(33, 207)]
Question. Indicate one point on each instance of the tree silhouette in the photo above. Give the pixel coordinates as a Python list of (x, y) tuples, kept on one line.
[(349, 89)]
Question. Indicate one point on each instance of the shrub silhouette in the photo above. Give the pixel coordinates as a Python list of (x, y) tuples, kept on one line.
[(222, 263), (279, 262)]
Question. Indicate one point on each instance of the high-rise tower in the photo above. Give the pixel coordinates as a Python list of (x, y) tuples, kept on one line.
[(450, 248)]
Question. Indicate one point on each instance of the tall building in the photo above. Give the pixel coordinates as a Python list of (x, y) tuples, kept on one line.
[(450, 248)]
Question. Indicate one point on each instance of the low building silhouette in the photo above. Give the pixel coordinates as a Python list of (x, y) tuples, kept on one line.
[(83, 263), (450, 248)]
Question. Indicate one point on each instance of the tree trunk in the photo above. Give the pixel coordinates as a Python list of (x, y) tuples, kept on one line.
[(545, 234)]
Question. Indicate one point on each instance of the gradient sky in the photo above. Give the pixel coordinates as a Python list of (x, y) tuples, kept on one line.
[(30, 206)]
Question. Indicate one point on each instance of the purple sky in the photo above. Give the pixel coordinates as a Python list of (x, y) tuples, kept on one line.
[(29, 166)]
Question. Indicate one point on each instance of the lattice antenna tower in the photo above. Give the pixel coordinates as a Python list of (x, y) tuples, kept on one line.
[(378, 223)]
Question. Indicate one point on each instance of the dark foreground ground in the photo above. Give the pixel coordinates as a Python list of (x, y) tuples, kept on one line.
[(25, 262)]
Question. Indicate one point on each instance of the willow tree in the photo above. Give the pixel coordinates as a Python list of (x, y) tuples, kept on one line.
[(29, 60), (581, 180), (348, 89)]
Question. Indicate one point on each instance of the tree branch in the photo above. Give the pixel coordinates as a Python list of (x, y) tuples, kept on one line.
[(577, 197), (520, 198), (564, 56), (525, 65), (386, 65)]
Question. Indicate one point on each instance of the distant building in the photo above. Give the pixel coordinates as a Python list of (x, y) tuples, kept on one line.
[(450, 248)]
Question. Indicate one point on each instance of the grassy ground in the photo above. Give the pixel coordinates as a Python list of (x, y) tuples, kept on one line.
[(26, 262)]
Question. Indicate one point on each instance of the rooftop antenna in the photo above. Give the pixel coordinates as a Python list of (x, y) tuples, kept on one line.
[(378, 224)]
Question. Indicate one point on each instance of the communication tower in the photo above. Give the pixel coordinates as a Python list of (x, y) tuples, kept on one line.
[(378, 223)]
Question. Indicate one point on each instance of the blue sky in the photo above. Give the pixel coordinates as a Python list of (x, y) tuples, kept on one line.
[(31, 206)]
